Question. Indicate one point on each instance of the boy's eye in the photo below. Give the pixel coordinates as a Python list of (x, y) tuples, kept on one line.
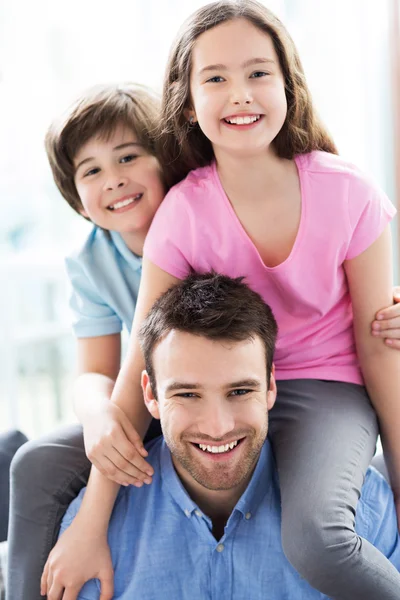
[(258, 74), (215, 79), (92, 172), (128, 158)]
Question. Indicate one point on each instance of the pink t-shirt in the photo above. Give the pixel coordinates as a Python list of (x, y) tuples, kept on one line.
[(342, 214)]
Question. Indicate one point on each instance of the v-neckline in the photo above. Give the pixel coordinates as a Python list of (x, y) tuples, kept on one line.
[(243, 233)]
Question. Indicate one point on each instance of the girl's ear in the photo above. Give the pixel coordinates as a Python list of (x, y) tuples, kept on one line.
[(149, 397), (190, 116)]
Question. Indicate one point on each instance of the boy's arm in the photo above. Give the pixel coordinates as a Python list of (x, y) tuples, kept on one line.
[(93, 517), (387, 322), (370, 281), (107, 430)]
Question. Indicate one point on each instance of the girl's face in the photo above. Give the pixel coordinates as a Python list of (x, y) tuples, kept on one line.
[(237, 89)]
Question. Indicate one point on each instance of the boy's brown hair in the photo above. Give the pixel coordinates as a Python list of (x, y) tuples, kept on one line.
[(182, 147), (97, 113)]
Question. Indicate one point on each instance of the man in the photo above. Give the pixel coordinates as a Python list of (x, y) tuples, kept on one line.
[(209, 524)]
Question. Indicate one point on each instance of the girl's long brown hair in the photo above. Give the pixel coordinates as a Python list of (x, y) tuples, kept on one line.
[(182, 147)]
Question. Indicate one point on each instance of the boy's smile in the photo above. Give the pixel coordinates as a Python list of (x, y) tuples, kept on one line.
[(120, 185)]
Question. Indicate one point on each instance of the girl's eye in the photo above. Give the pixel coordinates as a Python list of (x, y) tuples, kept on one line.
[(128, 158), (258, 74), (215, 79), (92, 172), (240, 392)]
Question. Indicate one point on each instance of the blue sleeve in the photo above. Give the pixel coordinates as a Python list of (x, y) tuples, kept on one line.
[(376, 518), (93, 317)]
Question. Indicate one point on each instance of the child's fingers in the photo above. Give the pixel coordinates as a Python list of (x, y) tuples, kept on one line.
[(391, 312), (106, 585), (387, 325), (71, 593), (133, 436), (393, 343), (125, 468), (43, 580)]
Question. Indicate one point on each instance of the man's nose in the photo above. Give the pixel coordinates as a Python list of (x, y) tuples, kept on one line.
[(217, 419)]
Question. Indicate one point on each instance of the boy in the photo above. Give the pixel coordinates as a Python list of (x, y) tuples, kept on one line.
[(102, 158)]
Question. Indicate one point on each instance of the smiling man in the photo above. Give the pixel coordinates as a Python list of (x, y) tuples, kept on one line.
[(209, 524)]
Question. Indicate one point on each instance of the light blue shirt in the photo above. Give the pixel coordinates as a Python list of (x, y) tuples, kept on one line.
[(162, 544), (105, 277)]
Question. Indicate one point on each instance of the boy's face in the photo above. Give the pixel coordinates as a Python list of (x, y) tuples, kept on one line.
[(119, 184)]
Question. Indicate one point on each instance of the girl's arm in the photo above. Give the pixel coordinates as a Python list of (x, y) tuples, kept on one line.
[(387, 322), (370, 281), (67, 568)]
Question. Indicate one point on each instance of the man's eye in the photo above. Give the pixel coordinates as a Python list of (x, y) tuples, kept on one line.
[(92, 172), (128, 158), (258, 74), (186, 395), (240, 392), (215, 79)]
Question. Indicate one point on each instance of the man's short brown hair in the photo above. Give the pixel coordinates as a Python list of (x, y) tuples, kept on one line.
[(97, 113), (213, 306)]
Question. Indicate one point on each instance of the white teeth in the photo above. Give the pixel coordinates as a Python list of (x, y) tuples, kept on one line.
[(218, 449), (125, 202), (243, 120)]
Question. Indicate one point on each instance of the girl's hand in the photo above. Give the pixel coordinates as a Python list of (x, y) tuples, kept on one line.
[(387, 323), (77, 557), (115, 448)]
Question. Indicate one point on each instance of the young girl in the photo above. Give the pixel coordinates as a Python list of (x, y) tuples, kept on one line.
[(269, 199)]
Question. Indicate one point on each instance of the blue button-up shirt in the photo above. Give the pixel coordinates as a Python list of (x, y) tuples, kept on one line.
[(163, 548)]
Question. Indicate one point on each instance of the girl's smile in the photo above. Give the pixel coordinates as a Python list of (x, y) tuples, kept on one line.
[(237, 88)]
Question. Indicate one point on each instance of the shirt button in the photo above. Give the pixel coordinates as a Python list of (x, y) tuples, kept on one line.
[(187, 512), (220, 548), (247, 516), (198, 513)]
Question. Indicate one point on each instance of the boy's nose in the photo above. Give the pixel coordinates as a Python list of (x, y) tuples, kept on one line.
[(115, 182)]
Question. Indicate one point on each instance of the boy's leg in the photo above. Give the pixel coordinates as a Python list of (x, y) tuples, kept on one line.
[(323, 435), (46, 475)]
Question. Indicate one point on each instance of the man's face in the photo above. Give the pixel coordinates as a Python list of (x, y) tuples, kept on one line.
[(213, 403)]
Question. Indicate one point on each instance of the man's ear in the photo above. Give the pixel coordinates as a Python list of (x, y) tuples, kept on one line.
[(271, 394), (149, 397)]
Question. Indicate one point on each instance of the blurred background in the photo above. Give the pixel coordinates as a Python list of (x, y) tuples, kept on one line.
[(50, 51)]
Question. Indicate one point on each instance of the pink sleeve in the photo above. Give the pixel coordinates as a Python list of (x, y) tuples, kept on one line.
[(370, 211), (167, 243)]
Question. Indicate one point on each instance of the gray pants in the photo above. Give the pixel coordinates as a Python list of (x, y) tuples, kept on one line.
[(324, 435), (46, 475)]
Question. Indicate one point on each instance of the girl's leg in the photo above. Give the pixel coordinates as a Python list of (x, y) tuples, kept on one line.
[(46, 475), (323, 435)]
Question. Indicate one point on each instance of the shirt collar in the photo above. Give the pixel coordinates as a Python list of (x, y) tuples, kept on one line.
[(134, 261), (262, 482)]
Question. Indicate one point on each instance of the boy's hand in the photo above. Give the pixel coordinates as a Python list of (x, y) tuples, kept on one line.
[(387, 323), (77, 557), (115, 448)]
